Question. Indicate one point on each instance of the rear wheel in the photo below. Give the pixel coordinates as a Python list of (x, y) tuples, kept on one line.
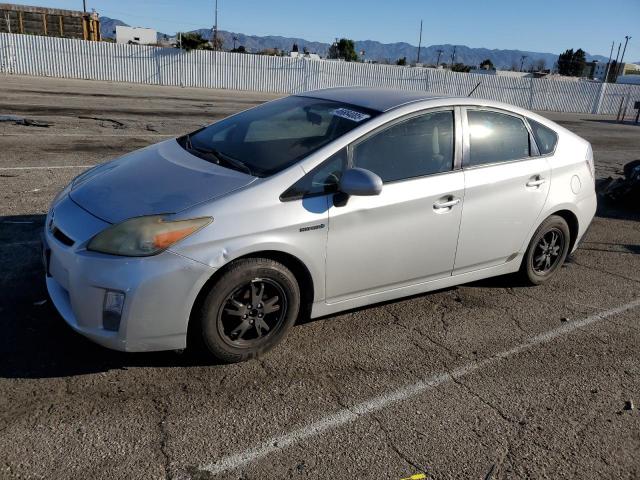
[(547, 251), (249, 309)]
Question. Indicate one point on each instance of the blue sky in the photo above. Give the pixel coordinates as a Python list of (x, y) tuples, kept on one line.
[(538, 25)]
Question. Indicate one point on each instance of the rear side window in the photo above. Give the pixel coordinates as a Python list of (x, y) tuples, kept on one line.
[(546, 139), (496, 137), (419, 146)]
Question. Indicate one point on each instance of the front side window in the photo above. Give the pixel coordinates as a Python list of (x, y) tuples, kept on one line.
[(322, 180), (546, 138), (273, 136), (419, 146), (496, 137)]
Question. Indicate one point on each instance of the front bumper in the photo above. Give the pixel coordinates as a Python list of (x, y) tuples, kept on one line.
[(160, 290)]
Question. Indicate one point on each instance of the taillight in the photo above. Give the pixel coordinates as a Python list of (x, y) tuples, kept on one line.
[(590, 164)]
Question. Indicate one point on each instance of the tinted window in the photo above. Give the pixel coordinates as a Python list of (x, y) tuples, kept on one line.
[(275, 135), (419, 146), (496, 137), (321, 180), (546, 138)]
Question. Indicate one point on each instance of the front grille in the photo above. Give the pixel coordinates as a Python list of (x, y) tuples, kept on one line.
[(61, 237)]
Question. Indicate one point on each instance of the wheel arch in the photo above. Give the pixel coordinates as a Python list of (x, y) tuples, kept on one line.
[(297, 267), (574, 226)]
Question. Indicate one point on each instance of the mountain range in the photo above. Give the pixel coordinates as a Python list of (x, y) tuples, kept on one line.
[(373, 50)]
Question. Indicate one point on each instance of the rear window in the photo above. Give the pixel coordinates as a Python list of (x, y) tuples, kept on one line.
[(271, 137), (546, 139)]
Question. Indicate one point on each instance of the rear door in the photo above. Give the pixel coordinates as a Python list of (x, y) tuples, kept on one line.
[(506, 186)]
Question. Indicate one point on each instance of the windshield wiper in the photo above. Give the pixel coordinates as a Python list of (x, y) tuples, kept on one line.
[(218, 157)]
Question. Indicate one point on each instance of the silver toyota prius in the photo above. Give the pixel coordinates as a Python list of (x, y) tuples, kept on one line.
[(309, 205)]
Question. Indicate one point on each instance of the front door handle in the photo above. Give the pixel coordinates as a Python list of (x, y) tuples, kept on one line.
[(446, 204), (536, 182)]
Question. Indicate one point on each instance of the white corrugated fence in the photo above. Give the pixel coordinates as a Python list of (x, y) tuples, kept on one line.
[(68, 58)]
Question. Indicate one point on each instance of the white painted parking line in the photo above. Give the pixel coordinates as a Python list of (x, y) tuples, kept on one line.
[(19, 244), (348, 415), (50, 167)]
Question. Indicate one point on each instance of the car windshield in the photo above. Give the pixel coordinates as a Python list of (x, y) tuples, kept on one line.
[(269, 138)]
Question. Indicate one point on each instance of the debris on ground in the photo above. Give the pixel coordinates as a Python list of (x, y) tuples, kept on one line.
[(628, 405), (150, 128), (564, 319), (623, 189), (114, 123), (27, 122)]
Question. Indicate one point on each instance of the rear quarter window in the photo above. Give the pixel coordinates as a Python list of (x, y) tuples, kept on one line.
[(546, 139)]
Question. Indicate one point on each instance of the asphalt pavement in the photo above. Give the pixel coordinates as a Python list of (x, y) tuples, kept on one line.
[(488, 380)]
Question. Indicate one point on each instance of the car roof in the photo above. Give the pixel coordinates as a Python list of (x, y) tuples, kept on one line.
[(374, 98)]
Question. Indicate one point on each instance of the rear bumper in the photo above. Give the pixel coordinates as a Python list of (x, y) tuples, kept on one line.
[(159, 291)]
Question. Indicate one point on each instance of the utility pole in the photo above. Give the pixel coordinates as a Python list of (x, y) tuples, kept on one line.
[(522, 59), (440, 52), (626, 40), (215, 28), (235, 39), (615, 62), (453, 56), (84, 6), (606, 73), (419, 43)]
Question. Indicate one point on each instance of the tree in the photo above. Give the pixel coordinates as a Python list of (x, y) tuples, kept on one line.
[(217, 43), (460, 67), (240, 49), (343, 48), (487, 64), (191, 41), (294, 48), (572, 63), (401, 61), (540, 65)]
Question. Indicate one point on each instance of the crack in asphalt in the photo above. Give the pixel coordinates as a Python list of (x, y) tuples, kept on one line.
[(163, 411), (499, 411), (607, 272), (389, 442), (398, 322)]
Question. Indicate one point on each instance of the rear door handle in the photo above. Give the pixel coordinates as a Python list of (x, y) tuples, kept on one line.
[(446, 204), (536, 183)]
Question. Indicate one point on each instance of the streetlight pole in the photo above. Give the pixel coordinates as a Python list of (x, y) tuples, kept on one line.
[(440, 52), (626, 40), (84, 6), (419, 43), (453, 56), (215, 28)]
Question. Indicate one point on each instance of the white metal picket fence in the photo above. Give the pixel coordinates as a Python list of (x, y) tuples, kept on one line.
[(67, 58)]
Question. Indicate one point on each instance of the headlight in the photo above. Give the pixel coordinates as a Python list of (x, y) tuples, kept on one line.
[(144, 236)]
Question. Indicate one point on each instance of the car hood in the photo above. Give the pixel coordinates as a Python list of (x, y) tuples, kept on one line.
[(161, 178)]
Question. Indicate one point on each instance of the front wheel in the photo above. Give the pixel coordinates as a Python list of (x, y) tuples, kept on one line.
[(249, 309), (547, 251)]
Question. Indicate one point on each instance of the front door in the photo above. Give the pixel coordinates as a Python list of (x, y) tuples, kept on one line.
[(408, 233)]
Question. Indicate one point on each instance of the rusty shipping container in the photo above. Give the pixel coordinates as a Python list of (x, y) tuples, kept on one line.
[(49, 22)]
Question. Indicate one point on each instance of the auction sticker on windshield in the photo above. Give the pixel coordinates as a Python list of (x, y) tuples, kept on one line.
[(350, 114)]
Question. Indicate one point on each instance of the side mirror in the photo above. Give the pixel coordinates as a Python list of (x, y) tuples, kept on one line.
[(360, 182)]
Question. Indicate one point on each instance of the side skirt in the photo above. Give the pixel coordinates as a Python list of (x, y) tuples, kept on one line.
[(321, 308)]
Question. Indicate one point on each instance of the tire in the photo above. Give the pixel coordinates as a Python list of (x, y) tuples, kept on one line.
[(233, 329), (541, 263)]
